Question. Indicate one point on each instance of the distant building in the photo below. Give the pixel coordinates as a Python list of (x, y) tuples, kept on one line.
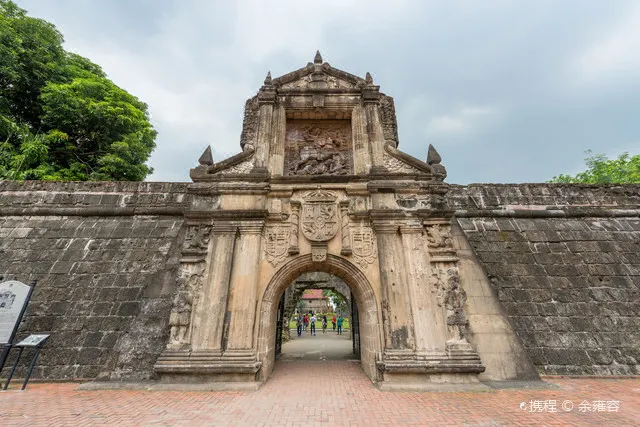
[(314, 301)]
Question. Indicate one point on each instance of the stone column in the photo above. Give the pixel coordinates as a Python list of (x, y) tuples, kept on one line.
[(430, 330), (376, 134), (294, 249), (244, 283), (396, 310), (361, 156), (208, 320), (276, 160)]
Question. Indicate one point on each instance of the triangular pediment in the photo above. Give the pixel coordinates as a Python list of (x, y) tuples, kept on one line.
[(316, 76)]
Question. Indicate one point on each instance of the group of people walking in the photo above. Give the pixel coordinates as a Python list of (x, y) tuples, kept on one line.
[(308, 322)]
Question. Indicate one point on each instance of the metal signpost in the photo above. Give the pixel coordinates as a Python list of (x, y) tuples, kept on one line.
[(14, 298), (32, 341)]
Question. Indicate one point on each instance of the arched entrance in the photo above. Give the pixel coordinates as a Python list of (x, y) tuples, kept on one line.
[(370, 320), (324, 295), (319, 186)]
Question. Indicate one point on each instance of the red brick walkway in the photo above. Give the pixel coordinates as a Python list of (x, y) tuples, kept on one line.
[(315, 393)]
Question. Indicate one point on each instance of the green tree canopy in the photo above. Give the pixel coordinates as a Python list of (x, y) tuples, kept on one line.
[(61, 118), (600, 170)]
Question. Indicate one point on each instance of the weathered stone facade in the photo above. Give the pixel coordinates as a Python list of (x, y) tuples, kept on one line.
[(565, 263), (105, 256), (452, 284)]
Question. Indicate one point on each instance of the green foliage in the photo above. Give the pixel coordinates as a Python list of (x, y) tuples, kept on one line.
[(60, 117), (337, 300), (600, 170)]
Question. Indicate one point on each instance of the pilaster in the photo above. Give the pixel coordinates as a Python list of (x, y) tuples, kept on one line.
[(266, 100), (361, 155), (376, 135), (429, 326), (244, 282), (210, 315), (396, 310), (276, 157)]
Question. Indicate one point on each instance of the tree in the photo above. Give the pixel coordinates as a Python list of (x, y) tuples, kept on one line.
[(337, 300), (600, 170), (61, 118)]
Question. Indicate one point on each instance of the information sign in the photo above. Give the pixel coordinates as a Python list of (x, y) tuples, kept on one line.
[(13, 297)]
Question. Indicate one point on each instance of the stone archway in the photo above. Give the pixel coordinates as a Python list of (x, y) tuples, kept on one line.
[(319, 186), (312, 280), (370, 317)]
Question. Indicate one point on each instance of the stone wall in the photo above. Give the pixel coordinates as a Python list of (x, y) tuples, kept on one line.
[(105, 257), (564, 261)]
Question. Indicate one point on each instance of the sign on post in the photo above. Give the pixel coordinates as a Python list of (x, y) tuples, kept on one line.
[(14, 296)]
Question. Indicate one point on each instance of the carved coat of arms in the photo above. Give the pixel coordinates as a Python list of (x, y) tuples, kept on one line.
[(277, 243), (363, 246), (320, 216)]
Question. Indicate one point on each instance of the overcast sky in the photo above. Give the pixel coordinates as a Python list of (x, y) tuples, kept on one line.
[(507, 91)]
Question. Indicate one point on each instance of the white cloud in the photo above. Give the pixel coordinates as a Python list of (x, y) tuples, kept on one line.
[(461, 122), (615, 55)]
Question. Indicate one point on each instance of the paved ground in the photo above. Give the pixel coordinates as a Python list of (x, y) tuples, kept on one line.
[(328, 346), (325, 393)]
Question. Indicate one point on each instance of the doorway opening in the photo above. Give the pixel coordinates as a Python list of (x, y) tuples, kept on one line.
[(317, 320), (369, 339)]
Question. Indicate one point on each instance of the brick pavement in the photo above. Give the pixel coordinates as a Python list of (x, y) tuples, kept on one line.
[(316, 393)]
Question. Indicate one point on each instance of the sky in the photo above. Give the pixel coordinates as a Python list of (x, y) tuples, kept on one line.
[(506, 90)]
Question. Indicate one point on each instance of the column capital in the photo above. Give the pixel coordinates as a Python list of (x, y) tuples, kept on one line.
[(253, 227), (225, 227), (385, 227), (412, 228)]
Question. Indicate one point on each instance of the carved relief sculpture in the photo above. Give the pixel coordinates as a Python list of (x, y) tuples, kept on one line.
[(197, 238), (179, 319), (277, 243), (363, 245), (454, 299), (239, 169), (319, 216), (189, 285), (346, 235), (318, 148), (295, 221), (439, 236), (395, 165)]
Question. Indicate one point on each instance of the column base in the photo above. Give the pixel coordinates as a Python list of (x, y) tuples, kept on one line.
[(184, 366), (455, 368)]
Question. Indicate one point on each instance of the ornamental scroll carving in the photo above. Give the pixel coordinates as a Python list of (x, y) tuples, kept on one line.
[(276, 239), (239, 169), (388, 119), (396, 165), (301, 83), (313, 148), (320, 219), (250, 122)]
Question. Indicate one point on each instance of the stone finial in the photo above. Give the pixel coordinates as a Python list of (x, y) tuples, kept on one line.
[(207, 157), (433, 158), (267, 80), (368, 78), (318, 58)]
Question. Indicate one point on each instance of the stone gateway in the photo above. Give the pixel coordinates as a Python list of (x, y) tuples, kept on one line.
[(451, 284)]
